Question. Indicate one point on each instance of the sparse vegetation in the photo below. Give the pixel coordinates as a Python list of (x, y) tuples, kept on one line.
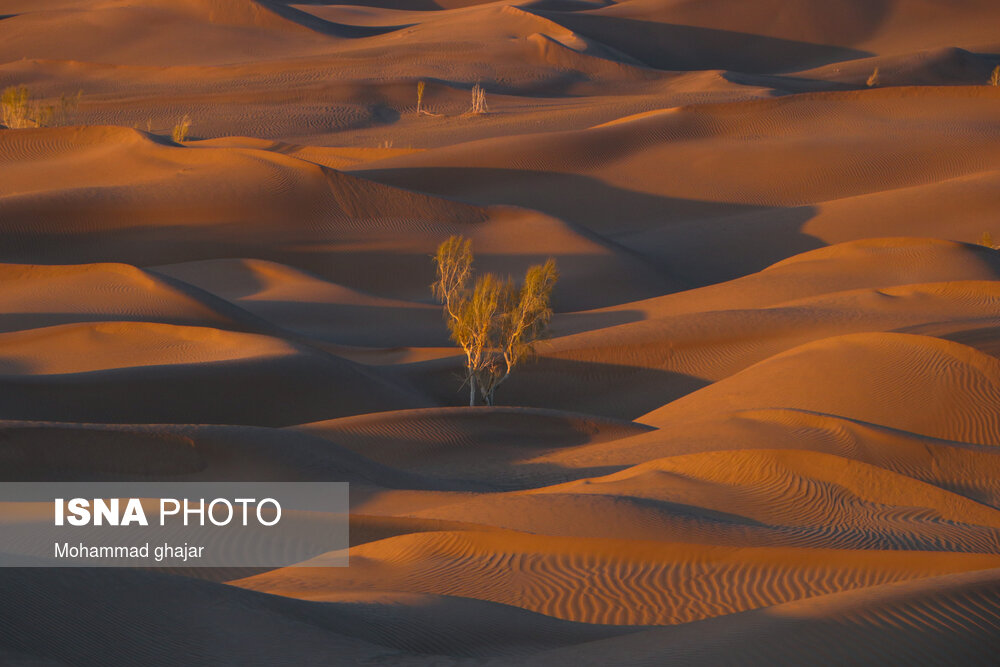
[(873, 79), (995, 76), (20, 111), (15, 103), (495, 323), (987, 240), (66, 104), (421, 111), (181, 129), (478, 100)]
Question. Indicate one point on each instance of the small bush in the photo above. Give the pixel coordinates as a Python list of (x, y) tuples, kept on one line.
[(15, 103), (873, 79), (181, 129), (20, 111), (66, 105), (420, 95), (478, 100), (995, 76), (987, 240)]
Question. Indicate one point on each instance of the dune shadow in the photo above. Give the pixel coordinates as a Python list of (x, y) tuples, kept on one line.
[(713, 250), (410, 5), (14, 366), (610, 390), (385, 115), (577, 198), (322, 26), (695, 242), (524, 476), (566, 5), (984, 338), (360, 325), (32, 452), (566, 324), (668, 46), (589, 280), (396, 325), (310, 387), (789, 84)]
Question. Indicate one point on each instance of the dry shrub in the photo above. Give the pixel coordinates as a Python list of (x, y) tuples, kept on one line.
[(873, 79), (478, 100), (181, 129)]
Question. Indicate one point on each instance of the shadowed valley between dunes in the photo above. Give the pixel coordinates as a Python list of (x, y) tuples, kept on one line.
[(762, 426)]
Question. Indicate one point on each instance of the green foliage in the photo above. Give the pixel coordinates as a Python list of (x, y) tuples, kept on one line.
[(496, 323)]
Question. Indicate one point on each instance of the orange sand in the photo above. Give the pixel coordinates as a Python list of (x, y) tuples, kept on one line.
[(764, 429)]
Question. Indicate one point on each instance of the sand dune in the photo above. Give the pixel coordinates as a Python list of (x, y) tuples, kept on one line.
[(669, 137), (680, 176), (941, 619), (603, 581), (391, 632), (783, 34), (34, 591), (35, 296), (645, 353), (486, 445), (304, 303), (153, 373), (914, 383), (763, 428), (183, 452), (34, 451), (192, 200), (950, 66), (123, 33), (677, 353), (822, 499)]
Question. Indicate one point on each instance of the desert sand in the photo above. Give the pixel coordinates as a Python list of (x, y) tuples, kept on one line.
[(764, 427)]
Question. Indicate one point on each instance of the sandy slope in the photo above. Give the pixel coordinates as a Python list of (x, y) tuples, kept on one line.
[(36, 296), (711, 192), (764, 428), (629, 359), (947, 619), (152, 373), (914, 383), (221, 202), (489, 445), (608, 581)]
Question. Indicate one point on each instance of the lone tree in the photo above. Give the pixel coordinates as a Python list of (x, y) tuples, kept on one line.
[(496, 323)]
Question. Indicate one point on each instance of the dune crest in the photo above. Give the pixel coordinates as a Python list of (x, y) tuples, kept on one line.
[(762, 426)]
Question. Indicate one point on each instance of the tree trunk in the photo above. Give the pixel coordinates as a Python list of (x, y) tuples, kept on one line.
[(472, 390)]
